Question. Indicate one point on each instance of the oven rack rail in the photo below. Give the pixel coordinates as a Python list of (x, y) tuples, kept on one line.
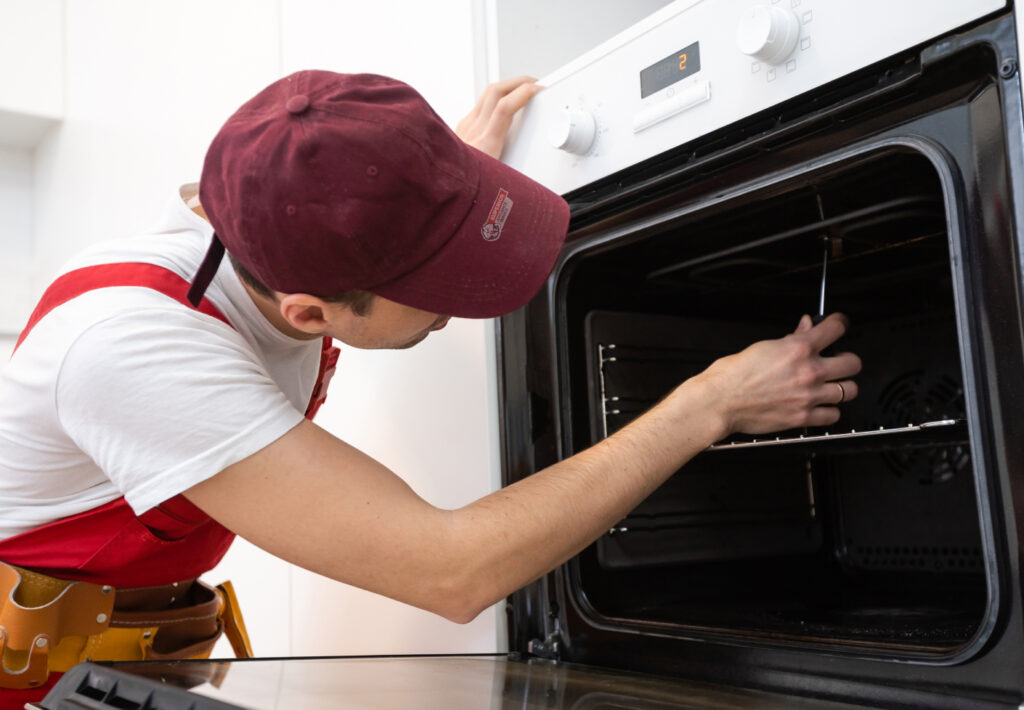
[(948, 432), (913, 207), (660, 522)]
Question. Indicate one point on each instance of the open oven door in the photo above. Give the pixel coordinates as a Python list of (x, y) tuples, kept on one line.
[(396, 682)]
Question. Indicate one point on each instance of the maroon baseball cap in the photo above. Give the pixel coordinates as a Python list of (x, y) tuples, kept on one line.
[(324, 183)]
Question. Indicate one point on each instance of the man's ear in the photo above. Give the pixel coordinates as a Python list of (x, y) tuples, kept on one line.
[(304, 312)]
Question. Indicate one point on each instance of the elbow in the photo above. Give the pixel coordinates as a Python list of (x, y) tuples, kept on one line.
[(465, 580), (459, 601), (461, 615), (459, 608)]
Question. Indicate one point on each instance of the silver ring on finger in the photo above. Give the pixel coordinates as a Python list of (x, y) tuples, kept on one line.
[(842, 392)]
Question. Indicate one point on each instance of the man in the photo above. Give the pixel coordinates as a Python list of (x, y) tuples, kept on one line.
[(159, 401)]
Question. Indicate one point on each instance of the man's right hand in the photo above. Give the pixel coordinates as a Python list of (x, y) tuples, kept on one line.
[(786, 383)]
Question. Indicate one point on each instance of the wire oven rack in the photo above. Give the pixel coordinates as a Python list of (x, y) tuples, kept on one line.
[(939, 432)]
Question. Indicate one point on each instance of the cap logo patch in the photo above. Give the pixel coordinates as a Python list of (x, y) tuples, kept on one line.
[(497, 216)]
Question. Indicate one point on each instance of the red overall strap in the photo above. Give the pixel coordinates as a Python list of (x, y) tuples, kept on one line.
[(328, 363), (109, 544), (75, 283), (89, 278)]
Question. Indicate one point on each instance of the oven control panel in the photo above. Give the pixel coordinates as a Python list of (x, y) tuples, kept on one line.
[(698, 65)]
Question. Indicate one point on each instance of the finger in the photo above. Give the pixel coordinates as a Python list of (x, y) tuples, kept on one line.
[(464, 126), (497, 91), (488, 125), (823, 416), (486, 102), (833, 393), (804, 325), (504, 86), (840, 366), (828, 331), (491, 139), (507, 107)]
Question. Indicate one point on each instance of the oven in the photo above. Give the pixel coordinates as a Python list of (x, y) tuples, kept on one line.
[(731, 165)]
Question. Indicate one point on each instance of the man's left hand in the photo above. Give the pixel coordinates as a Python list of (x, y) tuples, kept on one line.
[(486, 126)]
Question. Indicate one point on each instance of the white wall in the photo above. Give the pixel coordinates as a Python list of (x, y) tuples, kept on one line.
[(146, 86), (427, 44)]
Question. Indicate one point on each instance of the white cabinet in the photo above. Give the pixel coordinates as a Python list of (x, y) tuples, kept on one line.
[(31, 103), (32, 75), (17, 245)]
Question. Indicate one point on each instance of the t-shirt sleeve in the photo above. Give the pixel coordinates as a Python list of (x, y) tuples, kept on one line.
[(162, 399)]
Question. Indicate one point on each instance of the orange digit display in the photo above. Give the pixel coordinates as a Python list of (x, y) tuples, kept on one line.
[(675, 67)]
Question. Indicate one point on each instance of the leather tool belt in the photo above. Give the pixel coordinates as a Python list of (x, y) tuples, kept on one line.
[(49, 625)]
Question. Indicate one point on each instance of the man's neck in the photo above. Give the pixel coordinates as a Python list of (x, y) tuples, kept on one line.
[(269, 308)]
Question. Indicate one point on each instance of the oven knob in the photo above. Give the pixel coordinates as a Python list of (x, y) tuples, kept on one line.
[(572, 131), (768, 33)]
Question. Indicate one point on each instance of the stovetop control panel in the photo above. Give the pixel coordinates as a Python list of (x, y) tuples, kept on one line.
[(698, 65)]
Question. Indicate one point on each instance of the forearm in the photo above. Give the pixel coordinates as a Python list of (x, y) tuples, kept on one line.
[(364, 526), (518, 533)]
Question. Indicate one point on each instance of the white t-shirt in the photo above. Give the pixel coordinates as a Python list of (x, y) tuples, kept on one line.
[(124, 391)]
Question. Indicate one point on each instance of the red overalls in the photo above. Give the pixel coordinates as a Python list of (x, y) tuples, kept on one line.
[(110, 544)]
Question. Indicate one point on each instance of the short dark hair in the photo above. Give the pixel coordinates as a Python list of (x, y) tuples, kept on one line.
[(359, 301)]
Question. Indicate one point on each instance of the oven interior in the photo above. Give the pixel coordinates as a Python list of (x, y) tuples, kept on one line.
[(864, 535)]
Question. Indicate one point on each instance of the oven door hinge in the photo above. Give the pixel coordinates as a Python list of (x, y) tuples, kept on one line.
[(550, 647)]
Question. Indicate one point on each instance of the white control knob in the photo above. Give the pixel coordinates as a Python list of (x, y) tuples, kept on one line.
[(572, 131), (768, 33)]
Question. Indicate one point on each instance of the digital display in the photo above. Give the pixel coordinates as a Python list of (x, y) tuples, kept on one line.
[(669, 70)]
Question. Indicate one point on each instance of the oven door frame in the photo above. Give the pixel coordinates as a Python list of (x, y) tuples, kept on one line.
[(548, 619)]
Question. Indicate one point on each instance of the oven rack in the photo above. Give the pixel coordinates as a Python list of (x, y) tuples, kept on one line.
[(939, 432)]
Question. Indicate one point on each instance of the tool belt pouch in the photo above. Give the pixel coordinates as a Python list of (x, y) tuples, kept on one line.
[(187, 627), (49, 624), (36, 613)]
